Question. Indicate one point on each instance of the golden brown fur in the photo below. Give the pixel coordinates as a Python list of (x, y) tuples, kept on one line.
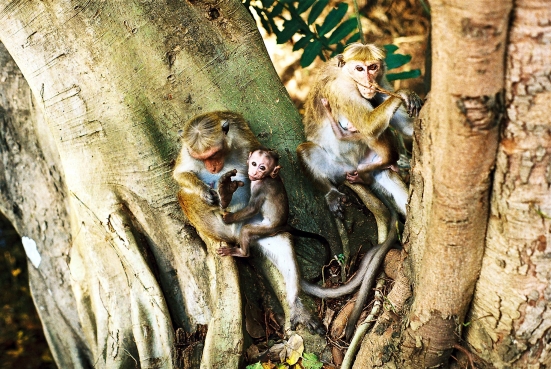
[(199, 200)]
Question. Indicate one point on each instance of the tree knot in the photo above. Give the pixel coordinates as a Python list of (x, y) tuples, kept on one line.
[(481, 112)]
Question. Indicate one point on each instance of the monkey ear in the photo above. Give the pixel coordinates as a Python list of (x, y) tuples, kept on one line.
[(341, 61), (250, 153), (225, 126), (275, 171)]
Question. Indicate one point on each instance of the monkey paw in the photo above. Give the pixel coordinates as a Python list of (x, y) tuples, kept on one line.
[(228, 218), (335, 201), (354, 177), (224, 251), (226, 188), (299, 315), (210, 196), (412, 102), (231, 251)]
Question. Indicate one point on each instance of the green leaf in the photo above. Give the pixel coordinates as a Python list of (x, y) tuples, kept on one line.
[(311, 361), (300, 44), (338, 50), (396, 60), (354, 38), (324, 42), (267, 3), (273, 25), (316, 10), (303, 5), (264, 22), (310, 52), (276, 10), (290, 27), (343, 30), (333, 18), (254, 366), (403, 75), (390, 48)]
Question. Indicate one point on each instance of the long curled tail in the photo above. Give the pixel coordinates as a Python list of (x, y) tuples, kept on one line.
[(367, 269), (371, 275), (305, 234)]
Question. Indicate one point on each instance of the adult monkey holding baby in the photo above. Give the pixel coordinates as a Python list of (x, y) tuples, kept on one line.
[(346, 121), (212, 145)]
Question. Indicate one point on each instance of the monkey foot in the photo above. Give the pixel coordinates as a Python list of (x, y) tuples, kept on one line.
[(354, 177), (311, 322), (231, 251), (335, 201)]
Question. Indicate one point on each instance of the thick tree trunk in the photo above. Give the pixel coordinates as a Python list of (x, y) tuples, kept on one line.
[(456, 159), (455, 147), (33, 197), (115, 82), (510, 322)]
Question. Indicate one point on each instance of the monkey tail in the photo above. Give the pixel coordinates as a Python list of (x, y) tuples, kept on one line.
[(305, 234), (371, 275), (369, 263)]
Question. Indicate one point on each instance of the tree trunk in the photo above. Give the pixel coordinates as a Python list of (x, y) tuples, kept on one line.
[(463, 120), (33, 197), (510, 323), (121, 269), (454, 153)]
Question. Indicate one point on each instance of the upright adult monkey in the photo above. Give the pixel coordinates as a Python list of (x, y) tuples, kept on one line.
[(213, 144), (346, 121)]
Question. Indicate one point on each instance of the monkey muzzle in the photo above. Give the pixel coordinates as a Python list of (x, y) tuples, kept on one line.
[(214, 165), (367, 92)]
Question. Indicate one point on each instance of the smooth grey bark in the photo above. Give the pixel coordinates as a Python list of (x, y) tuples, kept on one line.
[(32, 196), (121, 269)]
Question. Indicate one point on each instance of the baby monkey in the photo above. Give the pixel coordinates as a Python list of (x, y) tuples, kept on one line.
[(268, 198), (268, 204)]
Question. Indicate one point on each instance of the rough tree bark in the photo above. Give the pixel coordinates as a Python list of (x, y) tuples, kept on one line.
[(120, 269), (33, 197), (510, 316), (454, 153)]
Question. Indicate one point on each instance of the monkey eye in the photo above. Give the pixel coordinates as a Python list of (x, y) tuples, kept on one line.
[(359, 68), (262, 167), (373, 67), (253, 163)]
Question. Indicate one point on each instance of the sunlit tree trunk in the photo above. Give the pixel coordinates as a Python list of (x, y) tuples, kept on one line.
[(120, 268)]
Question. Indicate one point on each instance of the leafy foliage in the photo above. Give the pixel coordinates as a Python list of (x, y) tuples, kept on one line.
[(322, 37)]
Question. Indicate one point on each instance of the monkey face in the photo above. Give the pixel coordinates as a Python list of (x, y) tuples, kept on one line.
[(364, 73), (261, 165), (213, 158)]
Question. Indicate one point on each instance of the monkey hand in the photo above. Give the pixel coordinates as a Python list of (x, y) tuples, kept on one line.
[(226, 188), (228, 217), (210, 196), (412, 102), (335, 201)]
